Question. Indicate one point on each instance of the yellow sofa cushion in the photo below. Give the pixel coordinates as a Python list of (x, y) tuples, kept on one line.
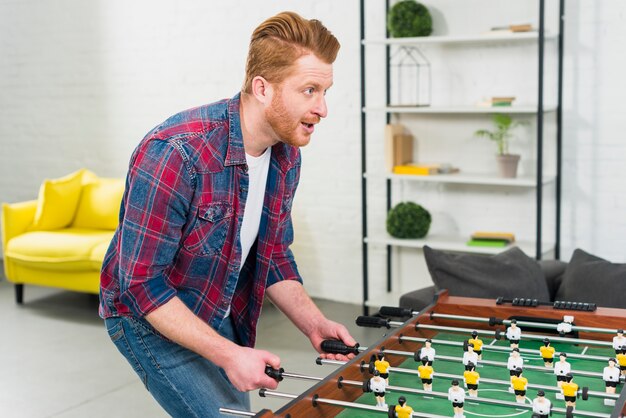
[(99, 204), (70, 249), (57, 202)]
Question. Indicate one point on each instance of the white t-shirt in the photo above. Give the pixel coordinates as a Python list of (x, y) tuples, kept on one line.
[(427, 352), (610, 374), (470, 356), (561, 369), (541, 406), (378, 384), (513, 333), (515, 362), (258, 167), (619, 342), (456, 394)]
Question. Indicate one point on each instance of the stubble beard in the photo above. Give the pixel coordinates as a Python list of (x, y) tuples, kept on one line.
[(288, 132)]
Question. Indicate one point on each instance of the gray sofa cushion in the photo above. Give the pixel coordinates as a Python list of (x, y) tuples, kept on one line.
[(510, 274), (588, 278)]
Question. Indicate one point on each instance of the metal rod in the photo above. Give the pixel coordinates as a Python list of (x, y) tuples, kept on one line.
[(559, 131), (237, 412), (525, 336), (523, 323), (501, 349), (539, 196)]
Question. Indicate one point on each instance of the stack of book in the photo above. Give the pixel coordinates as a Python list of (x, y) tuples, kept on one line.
[(491, 239), (424, 169), (502, 101)]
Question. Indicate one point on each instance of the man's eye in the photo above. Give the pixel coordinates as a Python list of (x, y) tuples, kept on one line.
[(310, 90)]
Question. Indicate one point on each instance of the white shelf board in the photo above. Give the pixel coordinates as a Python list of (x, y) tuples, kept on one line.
[(487, 38), (454, 243), (459, 109), (469, 178)]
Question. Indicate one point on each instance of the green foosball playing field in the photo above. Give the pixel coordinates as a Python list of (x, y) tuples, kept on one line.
[(594, 360)]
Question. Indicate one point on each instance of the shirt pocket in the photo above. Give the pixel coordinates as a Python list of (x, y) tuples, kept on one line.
[(210, 230)]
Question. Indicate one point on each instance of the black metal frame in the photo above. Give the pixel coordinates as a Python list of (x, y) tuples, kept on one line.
[(540, 121)]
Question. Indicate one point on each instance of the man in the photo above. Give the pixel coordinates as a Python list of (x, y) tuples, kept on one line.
[(378, 386), (477, 343), (205, 229), (519, 384), (547, 352), (561, 369), (427, 351), (569, 390), (618, 341), (426, 373), (513, 334), (456, 395), (541, 405), (610, 375), (514, 362), (403, 410), (382, 366), (471, 378), (470, 356)]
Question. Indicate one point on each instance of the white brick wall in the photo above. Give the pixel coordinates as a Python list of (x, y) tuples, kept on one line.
[(82, 82)]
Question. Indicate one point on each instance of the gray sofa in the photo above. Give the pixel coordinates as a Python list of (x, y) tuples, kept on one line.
[(552, 269)]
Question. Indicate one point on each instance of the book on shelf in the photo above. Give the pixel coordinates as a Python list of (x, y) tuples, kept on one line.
[(424, 169), (398, 146), (502, 101), (512, 28), (494, 236), (487, 243)]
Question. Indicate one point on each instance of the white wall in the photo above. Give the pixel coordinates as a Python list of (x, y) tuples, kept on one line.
[(82, 82)]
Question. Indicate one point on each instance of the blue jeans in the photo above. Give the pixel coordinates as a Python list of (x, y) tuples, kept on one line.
[(184, 383)]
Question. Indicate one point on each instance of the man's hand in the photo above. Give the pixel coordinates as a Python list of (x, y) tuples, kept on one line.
[(330, 330), (245, 368)]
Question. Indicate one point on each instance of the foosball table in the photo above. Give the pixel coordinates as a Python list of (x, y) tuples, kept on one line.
[(475, 345)]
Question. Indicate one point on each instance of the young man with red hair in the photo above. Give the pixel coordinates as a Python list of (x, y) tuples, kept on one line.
[(205, 229)]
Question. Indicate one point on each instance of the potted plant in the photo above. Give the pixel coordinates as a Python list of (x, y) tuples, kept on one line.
[(504, 124)]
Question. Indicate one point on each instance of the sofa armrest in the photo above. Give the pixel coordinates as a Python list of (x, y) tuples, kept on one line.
[(418, 299), (16, 218)]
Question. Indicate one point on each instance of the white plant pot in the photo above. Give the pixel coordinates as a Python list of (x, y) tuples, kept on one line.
[(507, 165)]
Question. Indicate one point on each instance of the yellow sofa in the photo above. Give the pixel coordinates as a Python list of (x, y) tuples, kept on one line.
[(59, 240)]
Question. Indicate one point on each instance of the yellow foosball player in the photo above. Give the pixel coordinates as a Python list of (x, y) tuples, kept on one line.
[(569, 390), (382, 366), (471, 378), (520, 384), (621, 360), (402, 409), (426, 373), (477, 343), (547, 352)]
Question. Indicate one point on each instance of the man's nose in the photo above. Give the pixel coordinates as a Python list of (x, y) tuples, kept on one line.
[(320, 108)]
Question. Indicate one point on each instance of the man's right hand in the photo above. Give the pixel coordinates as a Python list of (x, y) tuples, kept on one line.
[(245, 368)]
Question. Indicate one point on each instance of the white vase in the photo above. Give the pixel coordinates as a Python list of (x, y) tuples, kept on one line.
[(507, 165)]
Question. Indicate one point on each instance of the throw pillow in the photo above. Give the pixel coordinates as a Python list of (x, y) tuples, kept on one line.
[(99, 205), (57, 201), (592, 279), (511, 274)]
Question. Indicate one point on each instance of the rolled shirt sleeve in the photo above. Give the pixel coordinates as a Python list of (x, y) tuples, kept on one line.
[(156, 206)]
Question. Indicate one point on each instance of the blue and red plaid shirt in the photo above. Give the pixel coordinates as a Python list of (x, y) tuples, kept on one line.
[(181, 217)]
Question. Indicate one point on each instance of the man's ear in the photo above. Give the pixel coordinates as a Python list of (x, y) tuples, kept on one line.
[(262, 89)]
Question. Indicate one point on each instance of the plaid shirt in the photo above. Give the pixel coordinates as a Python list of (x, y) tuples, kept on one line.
[(181, 217)]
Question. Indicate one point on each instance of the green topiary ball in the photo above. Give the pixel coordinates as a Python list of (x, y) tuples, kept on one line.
[(409, 18), (408, 220)]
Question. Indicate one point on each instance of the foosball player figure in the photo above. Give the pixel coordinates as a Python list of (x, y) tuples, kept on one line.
[(426, 373), (378, 385), (427, 351), (547, 352), (513, 334), (610, 375), (456, 395), (541, 405), (565, 327), (478, 344), (382, 366), (569, 390), (619, 341), (621, 360), (471, 378), (402, 409), (519, 384), (470, 356), (561, 369), (514, 362)]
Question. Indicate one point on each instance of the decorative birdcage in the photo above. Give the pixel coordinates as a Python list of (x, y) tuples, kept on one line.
[(410, 77)]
